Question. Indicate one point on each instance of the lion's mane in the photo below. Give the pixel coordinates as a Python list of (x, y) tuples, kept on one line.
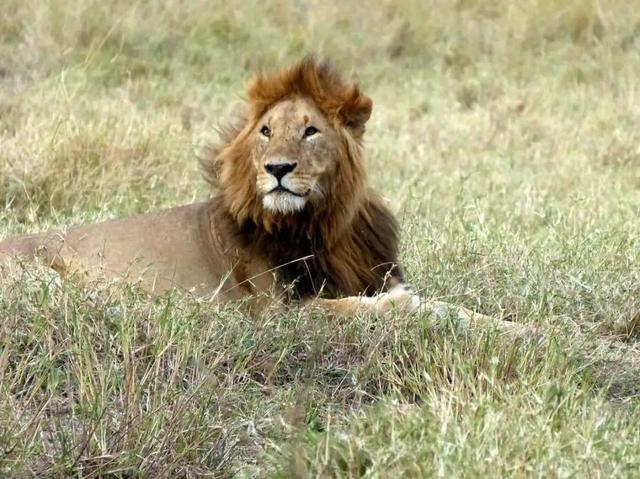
[(350, 243)]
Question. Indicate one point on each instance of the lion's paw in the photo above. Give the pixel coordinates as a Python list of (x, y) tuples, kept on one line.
[(401, 298)]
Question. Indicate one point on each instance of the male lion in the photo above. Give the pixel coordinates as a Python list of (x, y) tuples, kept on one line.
[(291, 208)]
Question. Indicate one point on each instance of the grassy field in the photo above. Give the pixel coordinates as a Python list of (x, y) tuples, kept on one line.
[(506, 134)]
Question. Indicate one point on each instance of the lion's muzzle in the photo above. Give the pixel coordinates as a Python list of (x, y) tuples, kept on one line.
[(280, 169)]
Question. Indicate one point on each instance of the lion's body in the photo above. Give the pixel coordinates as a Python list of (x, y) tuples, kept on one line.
[(292, 211), (159, 251), (199, 248)]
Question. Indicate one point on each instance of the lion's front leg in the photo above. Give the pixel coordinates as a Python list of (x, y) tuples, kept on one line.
[(443, 311), (399, 298), (402, 299)]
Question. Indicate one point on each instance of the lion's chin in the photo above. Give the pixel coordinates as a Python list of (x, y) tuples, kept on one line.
[(283, 202)]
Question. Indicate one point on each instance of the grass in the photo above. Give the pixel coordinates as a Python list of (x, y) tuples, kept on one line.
[(504, 135)]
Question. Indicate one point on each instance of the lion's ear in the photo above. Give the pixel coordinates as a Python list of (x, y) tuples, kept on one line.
[(356, 112)]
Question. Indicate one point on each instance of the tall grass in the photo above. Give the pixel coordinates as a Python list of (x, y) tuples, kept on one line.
[(505, 136)]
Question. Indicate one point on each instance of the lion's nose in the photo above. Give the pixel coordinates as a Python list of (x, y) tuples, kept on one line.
[(280, 169)]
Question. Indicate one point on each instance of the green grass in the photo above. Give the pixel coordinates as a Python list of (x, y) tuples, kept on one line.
[(505, 136)]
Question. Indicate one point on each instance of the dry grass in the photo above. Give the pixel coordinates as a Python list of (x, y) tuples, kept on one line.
[(504, 134)]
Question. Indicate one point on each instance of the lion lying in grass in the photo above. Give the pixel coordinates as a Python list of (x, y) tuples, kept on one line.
[(292, 212)]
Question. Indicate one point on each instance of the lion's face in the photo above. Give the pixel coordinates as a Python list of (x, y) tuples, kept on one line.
[(297, 147), (295, 154)]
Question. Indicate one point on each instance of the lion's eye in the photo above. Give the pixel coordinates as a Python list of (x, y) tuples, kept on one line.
[(265, 131), (310, 131)]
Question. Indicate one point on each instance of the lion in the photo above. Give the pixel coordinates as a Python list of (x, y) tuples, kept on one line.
[(292, 211)]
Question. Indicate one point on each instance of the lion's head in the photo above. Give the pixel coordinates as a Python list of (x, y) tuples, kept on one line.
[(291, 184), (296, 155)]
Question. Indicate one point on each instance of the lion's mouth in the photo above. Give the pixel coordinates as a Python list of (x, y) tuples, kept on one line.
[(282, 189)]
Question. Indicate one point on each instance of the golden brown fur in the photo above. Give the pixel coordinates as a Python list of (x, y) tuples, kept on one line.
[(323, 232), (350, 239), (292, 207)]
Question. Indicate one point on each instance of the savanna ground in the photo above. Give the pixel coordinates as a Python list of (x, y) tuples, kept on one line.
[(505, 134)]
